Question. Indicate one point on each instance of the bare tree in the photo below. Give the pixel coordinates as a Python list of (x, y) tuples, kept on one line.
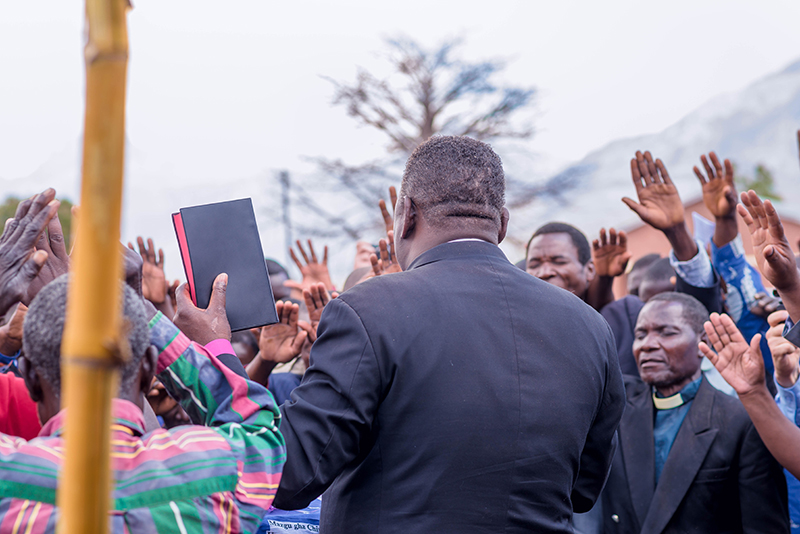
[(428, 92)]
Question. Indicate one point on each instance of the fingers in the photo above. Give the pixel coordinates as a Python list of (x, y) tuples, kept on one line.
[(302, 251), (773, 220), (393, 197), (160, 262), (710, 327), (309, 330), (636, 174), (384, 249), (295, 260), (218, 291), (717, 165), (663, 172), (292, 284), (623, 239), (644, 169), (325, 255), (603, 239), (297, 343), (744, 213), (755, 350), (183, 297), (56, 233), (729, 171), (311, 251), (699, 174), (376, 265), (778, 318), (34, 223), (638, 208), (712, 356), (730, 329), (142, 247), (388, 221)]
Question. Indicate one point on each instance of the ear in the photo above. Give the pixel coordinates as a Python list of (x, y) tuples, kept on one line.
[(31, 377), (704, 338), (504, 216), (590, 270), (409, 218), (147, 369)]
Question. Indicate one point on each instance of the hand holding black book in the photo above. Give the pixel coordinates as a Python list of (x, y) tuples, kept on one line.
[(223, 238)]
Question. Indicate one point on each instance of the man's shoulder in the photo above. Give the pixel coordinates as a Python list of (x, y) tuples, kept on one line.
[(728, 412)]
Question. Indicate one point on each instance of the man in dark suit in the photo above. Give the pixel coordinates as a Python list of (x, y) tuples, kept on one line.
[(690, 459), (460, 395)]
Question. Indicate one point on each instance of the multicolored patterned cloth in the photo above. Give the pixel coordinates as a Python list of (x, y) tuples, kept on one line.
[(217, 478)]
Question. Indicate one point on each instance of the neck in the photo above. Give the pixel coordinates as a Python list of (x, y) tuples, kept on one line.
[(671, 390), (427, 240)]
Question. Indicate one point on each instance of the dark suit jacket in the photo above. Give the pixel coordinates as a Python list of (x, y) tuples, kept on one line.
[(461, 395), (718, 478)]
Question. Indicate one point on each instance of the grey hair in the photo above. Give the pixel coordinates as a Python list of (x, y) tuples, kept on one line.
[(44, 328)]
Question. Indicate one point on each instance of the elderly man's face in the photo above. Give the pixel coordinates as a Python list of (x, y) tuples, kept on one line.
[(665, 346), (554, 259)]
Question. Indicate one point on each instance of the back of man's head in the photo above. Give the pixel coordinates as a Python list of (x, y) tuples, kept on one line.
[(455, 180), (575, 235), (636, 273), (44, 328), (658, 278)]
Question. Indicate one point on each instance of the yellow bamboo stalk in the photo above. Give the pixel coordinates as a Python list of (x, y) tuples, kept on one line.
[(89, 349)]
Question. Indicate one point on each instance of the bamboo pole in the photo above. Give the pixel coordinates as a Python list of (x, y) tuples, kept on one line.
[(90, 347)]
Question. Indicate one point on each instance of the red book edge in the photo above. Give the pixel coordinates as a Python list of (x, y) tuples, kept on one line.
[(177, 221)]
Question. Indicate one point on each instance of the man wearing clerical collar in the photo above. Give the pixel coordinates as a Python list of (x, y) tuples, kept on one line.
[(690, 459)]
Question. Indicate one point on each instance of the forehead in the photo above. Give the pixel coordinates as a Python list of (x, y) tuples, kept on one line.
[(559, 244), (660, 313)]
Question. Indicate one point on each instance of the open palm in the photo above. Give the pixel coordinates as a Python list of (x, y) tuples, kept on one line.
[(739, 363)]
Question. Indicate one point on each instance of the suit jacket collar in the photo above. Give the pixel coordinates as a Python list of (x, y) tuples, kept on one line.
[(457, 249), (638, 448), (691, 446)]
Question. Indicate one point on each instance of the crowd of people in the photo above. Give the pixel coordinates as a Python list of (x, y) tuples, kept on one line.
[(442, 388)]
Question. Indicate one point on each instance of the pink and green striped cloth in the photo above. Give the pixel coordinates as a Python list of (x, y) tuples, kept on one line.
[(216, 476)]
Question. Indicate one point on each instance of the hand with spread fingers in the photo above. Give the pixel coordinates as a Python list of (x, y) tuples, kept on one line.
[(610, 254), (313, 271), (773, 253), (316, 298), (785, 354), (659, 204), (20, 261), (739, 363), (719, 191), (387, 263), (154, 281), (282, 341), (719, 196)]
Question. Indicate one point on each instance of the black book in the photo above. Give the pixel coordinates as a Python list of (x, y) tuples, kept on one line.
[(223, 238)]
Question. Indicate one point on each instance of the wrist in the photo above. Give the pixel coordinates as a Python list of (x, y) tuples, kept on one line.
[(755, 394), (10, 348), (682, 243)]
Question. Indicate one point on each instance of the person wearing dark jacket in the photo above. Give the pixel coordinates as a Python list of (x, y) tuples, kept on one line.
[(460, 395), (690, 459)]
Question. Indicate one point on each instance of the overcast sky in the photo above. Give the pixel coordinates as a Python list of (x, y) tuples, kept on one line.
[(226, 90)]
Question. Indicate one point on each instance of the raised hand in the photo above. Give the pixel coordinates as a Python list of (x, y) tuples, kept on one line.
[(282, 341), (11, 332), (773, 253), (610, 254), (313, 271), (387, 263), (154, 281), (57, 263), (316, 297), (659, 204), (388, 219), (740, 364), (719, 191), (785, 355), (199, 325), (20, 262)]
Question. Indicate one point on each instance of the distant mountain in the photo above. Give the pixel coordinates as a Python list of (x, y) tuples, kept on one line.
[(757, 125)]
